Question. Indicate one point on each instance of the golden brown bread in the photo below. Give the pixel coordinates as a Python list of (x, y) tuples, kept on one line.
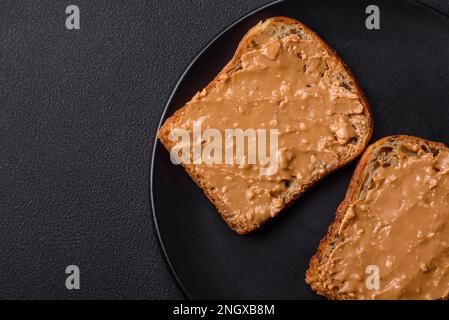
[(277, 28), (325, 274)]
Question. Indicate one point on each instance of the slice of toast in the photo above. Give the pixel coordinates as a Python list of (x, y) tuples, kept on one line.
[(282, 77), (390, 236)]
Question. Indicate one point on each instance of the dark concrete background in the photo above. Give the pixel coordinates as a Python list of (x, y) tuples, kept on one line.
[(78, 114)]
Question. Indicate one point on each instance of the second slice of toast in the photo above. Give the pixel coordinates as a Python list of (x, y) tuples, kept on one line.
[(390, 236), (283, 78)]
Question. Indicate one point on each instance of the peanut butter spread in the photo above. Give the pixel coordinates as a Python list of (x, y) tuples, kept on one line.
[(402, 228), (292, 85)]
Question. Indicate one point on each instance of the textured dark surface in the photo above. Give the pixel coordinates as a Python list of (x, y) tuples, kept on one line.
[(78, 114)]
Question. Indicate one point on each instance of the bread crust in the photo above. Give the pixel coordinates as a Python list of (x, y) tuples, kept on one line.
[(354, 189), (163, 133)]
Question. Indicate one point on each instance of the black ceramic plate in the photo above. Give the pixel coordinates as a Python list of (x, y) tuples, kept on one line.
[(403, 69)]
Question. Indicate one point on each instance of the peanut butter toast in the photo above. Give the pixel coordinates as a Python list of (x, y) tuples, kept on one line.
[(393, 225), (283, 79)]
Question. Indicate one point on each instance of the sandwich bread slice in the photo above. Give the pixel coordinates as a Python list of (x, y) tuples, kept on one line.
[(390, 236), (294, 107)]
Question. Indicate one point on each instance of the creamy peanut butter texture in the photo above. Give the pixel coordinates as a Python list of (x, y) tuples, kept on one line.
[(295, 86), (402, 227)]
